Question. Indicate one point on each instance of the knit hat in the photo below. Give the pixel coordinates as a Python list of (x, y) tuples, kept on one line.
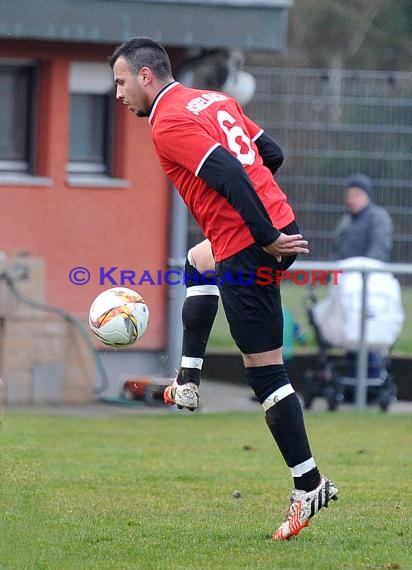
[(360, 181)]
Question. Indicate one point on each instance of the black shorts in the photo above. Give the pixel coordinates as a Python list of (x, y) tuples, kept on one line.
[(251, 300)]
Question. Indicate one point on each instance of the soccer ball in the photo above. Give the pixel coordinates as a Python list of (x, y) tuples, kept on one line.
[(119, 317)]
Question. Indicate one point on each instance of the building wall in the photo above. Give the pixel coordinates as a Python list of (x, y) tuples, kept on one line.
[(70, 226)]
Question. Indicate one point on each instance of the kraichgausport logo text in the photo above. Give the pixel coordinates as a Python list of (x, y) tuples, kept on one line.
[(263, 276)]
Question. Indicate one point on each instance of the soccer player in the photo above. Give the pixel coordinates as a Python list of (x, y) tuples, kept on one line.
[(222, 164)]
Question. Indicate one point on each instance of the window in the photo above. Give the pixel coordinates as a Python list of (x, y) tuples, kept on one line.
[(17, 111), (91, 120)]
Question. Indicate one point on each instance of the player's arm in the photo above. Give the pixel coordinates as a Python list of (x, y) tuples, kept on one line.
[(268, 148), (224, 173), (270, 152)]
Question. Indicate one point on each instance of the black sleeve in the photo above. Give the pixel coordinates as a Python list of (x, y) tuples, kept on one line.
[(270, 152), (225, 174)]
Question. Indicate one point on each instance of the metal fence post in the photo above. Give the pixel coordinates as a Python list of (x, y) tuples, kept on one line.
[(362, 362)]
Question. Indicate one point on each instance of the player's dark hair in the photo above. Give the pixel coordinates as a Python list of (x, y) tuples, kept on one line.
[(143, 52)]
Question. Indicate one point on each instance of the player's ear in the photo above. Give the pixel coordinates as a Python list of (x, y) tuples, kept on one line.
[(146, 74)]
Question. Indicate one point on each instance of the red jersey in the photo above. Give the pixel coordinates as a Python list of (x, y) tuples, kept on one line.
[(187, 126)]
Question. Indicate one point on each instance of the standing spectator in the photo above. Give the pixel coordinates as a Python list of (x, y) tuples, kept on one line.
[(366, 229)]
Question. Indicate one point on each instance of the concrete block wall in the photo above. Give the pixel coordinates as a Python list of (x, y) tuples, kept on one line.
[(43, 358)]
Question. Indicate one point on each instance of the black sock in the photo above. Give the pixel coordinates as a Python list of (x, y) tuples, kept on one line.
[(198, 315), (286, 424), (308, 481)]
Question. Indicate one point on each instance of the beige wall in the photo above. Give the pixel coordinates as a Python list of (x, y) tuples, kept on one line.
[(43, 358)]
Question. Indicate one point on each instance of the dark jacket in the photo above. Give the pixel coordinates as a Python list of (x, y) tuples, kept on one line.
[(368, 234)]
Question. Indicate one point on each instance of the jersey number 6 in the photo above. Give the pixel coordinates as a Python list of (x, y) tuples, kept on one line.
[(233, 135)]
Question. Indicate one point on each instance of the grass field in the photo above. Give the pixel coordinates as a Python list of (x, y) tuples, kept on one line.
[(120, 493), (294, 297)]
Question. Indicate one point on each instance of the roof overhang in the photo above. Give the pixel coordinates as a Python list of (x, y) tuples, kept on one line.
[(245, 24)]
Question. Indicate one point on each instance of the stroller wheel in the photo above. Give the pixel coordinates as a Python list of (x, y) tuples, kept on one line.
[(309, 390), (388, 394), (384, 400), (333, 396)]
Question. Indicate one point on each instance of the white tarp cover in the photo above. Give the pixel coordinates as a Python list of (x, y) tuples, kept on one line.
[(338, 316)]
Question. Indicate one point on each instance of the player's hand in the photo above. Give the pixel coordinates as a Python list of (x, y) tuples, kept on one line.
[(287, 245)]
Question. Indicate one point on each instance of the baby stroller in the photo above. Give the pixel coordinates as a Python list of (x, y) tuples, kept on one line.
[(336, 325)]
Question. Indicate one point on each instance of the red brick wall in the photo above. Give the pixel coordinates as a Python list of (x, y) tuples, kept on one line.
[(89, 227)]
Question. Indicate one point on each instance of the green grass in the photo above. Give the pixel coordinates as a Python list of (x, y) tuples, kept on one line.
[(119, 493), (294, 297)]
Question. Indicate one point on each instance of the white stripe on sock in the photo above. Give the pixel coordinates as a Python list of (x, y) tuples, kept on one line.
[(303, 468), (189, 362), (202, 290), (277, 395)]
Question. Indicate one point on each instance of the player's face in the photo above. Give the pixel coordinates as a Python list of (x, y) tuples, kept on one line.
[(356, 199), (130, 88)]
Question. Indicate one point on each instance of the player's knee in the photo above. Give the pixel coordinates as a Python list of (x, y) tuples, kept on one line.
[(263, 358), (201, 257), (199, 283)]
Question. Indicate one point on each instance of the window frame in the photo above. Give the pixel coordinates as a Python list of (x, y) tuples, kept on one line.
[(92, 168), (10, 168), (94, 78)]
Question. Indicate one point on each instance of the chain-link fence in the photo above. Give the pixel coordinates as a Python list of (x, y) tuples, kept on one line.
[(331, 124)]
